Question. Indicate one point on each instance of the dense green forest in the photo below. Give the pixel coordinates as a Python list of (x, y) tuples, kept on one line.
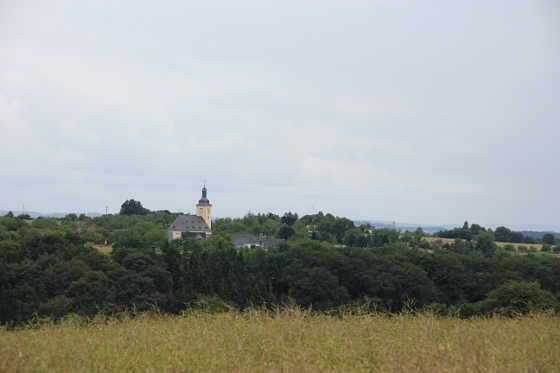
[(50, 268)]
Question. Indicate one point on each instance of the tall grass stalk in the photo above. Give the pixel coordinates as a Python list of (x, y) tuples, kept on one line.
[(285, 340)]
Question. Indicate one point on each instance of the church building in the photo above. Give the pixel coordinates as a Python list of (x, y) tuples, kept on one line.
[(199, 225)]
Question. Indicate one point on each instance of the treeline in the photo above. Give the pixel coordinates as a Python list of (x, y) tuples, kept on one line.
[(49, 270), (136, 231), (501, 234), (319, 227)]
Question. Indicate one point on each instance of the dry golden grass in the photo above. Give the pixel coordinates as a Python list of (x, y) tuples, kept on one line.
[(444, 240), (107, 249), (537, 246), (527, 246), (287, 342)]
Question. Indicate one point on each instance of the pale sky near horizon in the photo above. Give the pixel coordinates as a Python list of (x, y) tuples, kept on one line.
[(427, 112)]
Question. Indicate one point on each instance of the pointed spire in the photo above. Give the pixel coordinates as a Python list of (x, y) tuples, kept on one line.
[(204, 200)]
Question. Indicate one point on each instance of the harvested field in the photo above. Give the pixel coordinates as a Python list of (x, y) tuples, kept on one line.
[(500, 244), (444, 240)]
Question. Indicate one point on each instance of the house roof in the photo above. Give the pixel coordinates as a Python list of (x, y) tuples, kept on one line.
[(249, 240), (244, 239), (272, 242), (189, 223)]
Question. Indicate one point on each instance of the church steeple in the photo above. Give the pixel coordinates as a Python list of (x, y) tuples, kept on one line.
[(204, 208)]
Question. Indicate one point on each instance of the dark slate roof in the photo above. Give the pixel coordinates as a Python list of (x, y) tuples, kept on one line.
[(272, 242), (189, 223), (246, 239)]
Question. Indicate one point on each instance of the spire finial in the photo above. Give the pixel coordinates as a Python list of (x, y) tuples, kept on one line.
[(205, 183)]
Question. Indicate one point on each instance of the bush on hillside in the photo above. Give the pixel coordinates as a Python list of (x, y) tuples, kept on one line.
[(513, 298)]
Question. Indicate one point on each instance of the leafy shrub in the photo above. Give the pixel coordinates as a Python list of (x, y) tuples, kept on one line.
[(513, 298)]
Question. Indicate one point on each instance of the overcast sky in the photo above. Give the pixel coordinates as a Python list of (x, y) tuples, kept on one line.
[(426, 112)]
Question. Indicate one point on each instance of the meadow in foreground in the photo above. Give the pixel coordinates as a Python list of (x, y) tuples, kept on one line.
[(286, 341)]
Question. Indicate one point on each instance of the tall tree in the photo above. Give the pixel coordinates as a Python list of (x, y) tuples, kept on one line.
[(289, 218), (340, 226), (485, 244), (549, 239), (286, 232), (132, 207), (502, 234)]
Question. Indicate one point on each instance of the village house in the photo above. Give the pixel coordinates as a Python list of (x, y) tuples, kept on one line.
[(246, 240)]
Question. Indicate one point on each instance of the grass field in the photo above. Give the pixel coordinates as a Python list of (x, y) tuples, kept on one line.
[(104, 248), (500, 244), (286, 342)]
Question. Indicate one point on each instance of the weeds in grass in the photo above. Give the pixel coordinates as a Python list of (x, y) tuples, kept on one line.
[(285, 339)]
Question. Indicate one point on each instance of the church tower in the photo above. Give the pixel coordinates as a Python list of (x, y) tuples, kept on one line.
[(204, 208)]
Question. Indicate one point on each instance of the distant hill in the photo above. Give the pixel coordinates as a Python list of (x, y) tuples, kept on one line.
[(433, 229), (401, 226), (535, 234), (36, 214)]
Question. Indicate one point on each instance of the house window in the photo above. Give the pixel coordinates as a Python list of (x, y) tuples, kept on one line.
[(201, 211)]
